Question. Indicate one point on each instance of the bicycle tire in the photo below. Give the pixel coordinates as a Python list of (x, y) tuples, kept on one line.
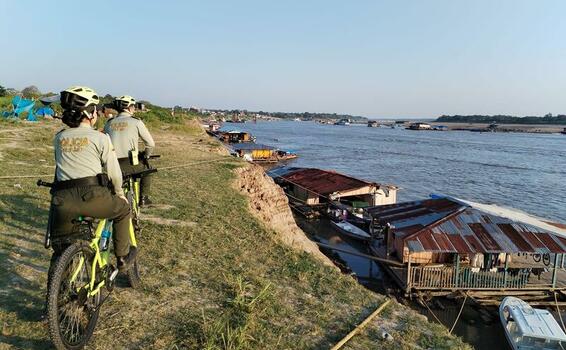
[(134, 274), (59, 312)]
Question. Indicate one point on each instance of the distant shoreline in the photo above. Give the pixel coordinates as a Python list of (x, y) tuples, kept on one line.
[(529, 128)]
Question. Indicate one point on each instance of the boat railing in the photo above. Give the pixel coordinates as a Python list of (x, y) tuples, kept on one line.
[(465, 277)]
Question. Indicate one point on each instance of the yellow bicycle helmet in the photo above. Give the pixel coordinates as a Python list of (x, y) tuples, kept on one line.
[(79, 97), (78, 102), (123, 102)]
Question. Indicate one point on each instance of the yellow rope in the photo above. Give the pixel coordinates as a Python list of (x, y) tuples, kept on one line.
[(160, 169), (23, 176), (429, 310), (361, 325), (459, 313)]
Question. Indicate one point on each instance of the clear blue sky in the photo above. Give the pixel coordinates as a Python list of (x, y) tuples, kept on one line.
[(374, 58)]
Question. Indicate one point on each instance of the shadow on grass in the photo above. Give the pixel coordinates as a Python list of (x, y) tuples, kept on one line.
[(25, 343), (22, 293), (24, 212)]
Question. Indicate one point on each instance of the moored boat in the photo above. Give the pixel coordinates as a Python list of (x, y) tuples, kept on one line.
[(343, 122), (527, 328), (350, 230)]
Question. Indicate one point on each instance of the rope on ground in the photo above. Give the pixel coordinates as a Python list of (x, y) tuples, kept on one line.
[(361, 325), (558, 309), (429, 310), (160, 169), (190, 164), (24, 176), (459, 313)]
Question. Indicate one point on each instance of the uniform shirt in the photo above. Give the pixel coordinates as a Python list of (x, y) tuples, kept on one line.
[(125, 132), (83, 152)]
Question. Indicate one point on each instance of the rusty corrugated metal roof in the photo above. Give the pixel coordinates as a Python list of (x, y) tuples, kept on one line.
[(325, 182), (449, 226)]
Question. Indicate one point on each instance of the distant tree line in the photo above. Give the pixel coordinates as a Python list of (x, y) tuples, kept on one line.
[(313, 116), (291, 115), (503, 119)]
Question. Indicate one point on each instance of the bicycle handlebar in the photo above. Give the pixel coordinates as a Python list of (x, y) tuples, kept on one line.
[(140, 173), (43, 183)]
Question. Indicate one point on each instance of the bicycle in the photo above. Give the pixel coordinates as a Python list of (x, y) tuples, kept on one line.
[(79, 275), (131, 187)]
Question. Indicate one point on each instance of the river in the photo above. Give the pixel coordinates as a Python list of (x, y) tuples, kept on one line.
[(519, 170)]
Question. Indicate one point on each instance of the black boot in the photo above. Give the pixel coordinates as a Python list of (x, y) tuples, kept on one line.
[(125, 262), (145, 201)]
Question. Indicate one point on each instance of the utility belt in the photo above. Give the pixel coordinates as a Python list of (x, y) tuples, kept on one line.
[(98, 180)]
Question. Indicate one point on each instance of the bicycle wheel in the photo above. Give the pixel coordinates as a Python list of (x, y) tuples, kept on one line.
[(72, 315), (134, 273)]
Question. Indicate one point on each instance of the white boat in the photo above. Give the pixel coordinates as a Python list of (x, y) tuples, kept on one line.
[(350, 230), (529, 329)]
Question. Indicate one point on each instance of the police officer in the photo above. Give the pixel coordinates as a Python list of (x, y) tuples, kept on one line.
[(125, 131), (81, 187)]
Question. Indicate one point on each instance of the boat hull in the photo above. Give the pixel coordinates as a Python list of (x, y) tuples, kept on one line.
[(350, 230)]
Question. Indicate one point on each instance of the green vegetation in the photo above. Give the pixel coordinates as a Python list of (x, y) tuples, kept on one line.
[(214, 276), (503, 119), (156, 114), (290, 115)]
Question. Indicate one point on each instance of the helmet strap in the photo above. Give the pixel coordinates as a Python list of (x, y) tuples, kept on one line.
[(90, 114)]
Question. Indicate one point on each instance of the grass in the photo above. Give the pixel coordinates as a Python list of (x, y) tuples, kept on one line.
[(216, 279)]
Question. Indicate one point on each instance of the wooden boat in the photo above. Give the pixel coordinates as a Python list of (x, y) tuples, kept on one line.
[(527, 328), (350, 230)]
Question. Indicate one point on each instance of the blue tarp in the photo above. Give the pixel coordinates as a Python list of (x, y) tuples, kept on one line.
[(21, 105), (43, 111)]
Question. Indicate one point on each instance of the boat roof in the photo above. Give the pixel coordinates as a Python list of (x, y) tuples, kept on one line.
[(324, 181), (536, 323), (449, 225), (234, 132)]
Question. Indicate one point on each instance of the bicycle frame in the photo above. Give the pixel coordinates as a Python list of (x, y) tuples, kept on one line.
[(101, 259), (135, 185)]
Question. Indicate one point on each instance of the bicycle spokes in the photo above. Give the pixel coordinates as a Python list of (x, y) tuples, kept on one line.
[(75, 307)]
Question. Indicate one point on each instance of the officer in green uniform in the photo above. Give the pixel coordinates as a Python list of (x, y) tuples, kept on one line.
[(125, 131), (88, 180)]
